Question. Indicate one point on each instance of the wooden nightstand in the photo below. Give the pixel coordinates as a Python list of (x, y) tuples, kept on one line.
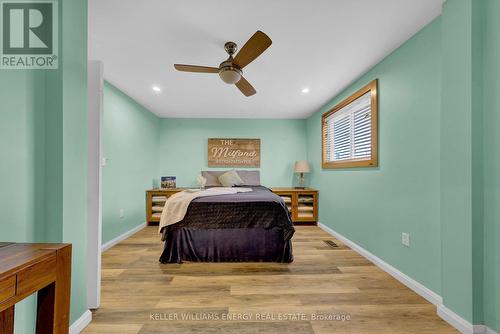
[(302, 203), (155, 201)]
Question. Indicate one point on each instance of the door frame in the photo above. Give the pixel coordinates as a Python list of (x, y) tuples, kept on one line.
[(94, 182)]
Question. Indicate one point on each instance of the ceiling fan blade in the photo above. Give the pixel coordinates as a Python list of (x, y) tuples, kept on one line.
[(245, 87), (253, 48), (195, 68)]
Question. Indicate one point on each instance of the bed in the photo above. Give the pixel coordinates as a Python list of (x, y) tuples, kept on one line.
[(251, 226)]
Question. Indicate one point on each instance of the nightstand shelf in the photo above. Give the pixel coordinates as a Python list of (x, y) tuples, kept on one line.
[(302, 203), (155, 201)]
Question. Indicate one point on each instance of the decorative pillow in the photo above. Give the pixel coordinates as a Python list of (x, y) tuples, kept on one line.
[(250, 177), (212, 177), (230, 179)]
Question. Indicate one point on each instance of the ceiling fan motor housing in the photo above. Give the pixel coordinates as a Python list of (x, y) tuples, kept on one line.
[(231, 48)]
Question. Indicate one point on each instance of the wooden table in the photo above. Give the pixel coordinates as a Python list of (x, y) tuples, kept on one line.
[(28, 268)]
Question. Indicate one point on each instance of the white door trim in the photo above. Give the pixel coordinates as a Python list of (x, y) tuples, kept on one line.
[(94, 230)]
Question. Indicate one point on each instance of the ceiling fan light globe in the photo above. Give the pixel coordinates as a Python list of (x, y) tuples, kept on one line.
[(230, 75)]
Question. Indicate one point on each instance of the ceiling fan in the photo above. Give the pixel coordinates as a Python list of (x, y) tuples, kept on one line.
[(231, 70)]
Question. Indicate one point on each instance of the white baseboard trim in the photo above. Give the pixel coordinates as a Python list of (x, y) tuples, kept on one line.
[(80, 323), (489, 330), (455, 320), (122, 237), (423, 291), (483, 329), (461, 324)]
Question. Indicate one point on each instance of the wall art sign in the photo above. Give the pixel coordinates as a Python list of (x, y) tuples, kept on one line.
[(233, 152)]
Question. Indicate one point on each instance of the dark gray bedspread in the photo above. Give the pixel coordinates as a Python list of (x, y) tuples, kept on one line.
[(259, 208)]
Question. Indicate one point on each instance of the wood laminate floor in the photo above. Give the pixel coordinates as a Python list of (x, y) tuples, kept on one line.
[(325, 290)]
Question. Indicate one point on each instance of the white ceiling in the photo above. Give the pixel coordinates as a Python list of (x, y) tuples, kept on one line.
[(323, 45)]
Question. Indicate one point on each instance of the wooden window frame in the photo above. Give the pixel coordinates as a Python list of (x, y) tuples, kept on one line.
[(372, 87)]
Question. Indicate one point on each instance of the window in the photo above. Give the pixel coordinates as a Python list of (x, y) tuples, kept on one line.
[(349, 131)]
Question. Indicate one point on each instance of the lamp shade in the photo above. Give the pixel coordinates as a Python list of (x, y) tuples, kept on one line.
[(302, 166)]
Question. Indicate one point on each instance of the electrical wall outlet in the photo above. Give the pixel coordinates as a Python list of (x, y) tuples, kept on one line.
[(122, 213), (405, 239)]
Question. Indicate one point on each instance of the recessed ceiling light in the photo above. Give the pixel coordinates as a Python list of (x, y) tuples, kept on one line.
[(157, 89), (305, 90)]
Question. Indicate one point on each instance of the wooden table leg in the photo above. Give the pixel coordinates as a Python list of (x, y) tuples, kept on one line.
[(7, 320), (45, 309), (54, 300)]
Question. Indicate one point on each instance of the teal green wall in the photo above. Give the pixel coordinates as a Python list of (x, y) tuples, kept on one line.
[(21, 136), (22, 101), (456, 158), (183, 146), (74, 145), (131, 137), (43, 139), (491, 118), (439, 162), (373, 206), (477, 144)]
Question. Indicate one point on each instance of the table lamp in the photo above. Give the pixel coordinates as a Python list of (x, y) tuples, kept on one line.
[(301, 167)]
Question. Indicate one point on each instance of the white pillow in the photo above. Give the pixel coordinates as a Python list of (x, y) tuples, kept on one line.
[(230, 179)]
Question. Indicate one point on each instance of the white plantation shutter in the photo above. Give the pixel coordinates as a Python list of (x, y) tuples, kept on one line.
[(342, 143), (349, 131), (362, 133)]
